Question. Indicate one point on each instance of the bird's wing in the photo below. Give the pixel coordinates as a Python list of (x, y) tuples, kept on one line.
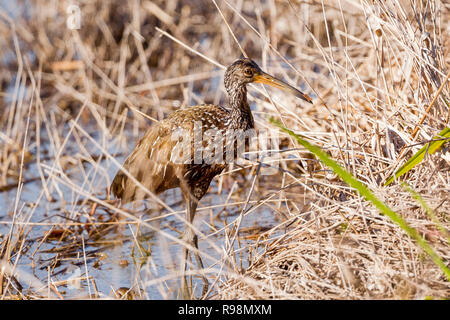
[(166, 147), (146, 160)]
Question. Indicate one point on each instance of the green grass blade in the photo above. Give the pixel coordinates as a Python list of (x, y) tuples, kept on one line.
[(430, 211), (430, 147), (366, 193)]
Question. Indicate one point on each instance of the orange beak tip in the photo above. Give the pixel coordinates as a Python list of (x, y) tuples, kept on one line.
[(308, 98)]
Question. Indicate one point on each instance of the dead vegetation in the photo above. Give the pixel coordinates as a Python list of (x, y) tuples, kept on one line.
[(73, 103)]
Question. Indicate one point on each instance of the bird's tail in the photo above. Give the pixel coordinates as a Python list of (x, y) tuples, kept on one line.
[(118, 185)]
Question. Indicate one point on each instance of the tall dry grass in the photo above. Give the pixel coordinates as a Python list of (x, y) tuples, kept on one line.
[(72, 100)]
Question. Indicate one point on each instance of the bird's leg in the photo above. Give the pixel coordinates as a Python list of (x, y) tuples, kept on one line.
[(185, 292), (193, 205), (191, 238)]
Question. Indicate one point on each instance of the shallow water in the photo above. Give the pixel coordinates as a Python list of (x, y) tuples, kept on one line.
[(113, 259)]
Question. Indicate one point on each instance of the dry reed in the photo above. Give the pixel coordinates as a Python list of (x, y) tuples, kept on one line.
[(72, 101)]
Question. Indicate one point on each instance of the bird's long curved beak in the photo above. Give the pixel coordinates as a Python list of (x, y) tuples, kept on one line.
[(265, 78)]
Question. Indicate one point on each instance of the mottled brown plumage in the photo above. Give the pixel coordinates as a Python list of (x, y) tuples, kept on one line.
[(152, 164)]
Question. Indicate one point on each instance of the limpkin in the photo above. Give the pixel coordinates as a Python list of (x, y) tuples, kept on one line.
[(151, 162)]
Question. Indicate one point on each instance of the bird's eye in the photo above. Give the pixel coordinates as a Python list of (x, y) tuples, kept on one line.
[(248, 72)]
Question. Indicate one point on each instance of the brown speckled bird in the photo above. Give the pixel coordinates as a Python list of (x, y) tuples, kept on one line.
[(151, 162)]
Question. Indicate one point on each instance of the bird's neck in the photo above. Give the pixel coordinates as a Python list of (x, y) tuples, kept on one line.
[(241, 115)]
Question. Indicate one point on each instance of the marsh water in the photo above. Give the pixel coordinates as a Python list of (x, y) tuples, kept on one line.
[(60, 248), (45, 220)]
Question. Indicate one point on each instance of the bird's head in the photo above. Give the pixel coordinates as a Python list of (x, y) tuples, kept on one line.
[(244, 71)]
